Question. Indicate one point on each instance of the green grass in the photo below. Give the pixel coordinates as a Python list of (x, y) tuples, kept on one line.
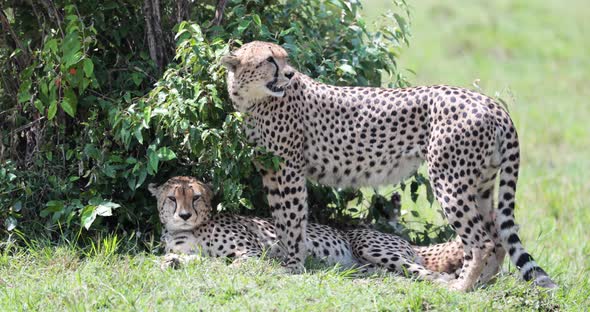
[(52, 278), (533, 52)]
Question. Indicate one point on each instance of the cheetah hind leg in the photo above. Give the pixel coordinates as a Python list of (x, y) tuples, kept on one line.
[(463, 215), (485, 204)]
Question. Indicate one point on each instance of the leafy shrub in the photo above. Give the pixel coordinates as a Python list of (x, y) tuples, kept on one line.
[(94, 122)]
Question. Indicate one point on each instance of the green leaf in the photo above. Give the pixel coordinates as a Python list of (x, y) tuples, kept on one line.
[(166, 154), (24, 93), (130, 160), (51, 45), (71, 49), (10, 223), (91, 211), (39, 106), (17, 206), (243, 26), (246, 203), (131, 183), (400, 21), (88, 67), (138, 135), (429, 193), (109, 171), (70, 102), (70, 154), (153, 161), (92, 152), (43, 87), (88, 216), (347, 69), (256, 19), (137, 78), (276, 162), (141, 178), (52, 110), (52, 207), (105, 208)]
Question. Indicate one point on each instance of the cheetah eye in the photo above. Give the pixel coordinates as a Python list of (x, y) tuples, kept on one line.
[(172, 198), (196, 197), (270, 59)]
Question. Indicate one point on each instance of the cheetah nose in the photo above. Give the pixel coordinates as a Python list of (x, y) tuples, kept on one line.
[(185, 215), (289, 75)]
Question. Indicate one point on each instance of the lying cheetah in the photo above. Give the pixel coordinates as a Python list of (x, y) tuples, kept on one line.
[(362, 136), (184, 206)]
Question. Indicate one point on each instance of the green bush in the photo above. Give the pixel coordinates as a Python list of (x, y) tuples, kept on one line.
[(89, 121)]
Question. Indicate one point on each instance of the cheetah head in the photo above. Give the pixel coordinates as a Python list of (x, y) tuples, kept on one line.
[(184, 203), (257, 70)]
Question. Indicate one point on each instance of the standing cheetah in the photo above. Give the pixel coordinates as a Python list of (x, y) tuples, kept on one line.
[(184, 206), (363, 136)]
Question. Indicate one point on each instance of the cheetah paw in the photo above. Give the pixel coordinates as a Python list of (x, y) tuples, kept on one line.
[(445, 278), (171, 261), (294, 268), (458, 285), (238, 262)]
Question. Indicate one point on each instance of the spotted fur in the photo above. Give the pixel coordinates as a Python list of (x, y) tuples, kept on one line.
[(446, 257), (239, 237), (362, 136)]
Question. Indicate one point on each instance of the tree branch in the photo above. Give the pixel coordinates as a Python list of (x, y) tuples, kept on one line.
[(155, 35), (23, 59), (219, 12), (182, 10), (52, 13)]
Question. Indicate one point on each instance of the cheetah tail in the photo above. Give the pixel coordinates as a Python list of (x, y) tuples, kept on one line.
[(508, 229)]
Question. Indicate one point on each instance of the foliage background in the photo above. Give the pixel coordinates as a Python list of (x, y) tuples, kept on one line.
[(101, 98)]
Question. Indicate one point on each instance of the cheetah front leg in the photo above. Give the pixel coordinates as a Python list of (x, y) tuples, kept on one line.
[(176, 261), (287, 198)]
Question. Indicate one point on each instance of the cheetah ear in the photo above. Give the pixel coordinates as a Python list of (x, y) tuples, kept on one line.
[(230, 61), (209, 187), (154, 189)]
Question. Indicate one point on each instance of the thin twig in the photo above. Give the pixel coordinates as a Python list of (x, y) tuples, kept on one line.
[(100, 95), (30, 124), (11, 191), (8, 110)]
